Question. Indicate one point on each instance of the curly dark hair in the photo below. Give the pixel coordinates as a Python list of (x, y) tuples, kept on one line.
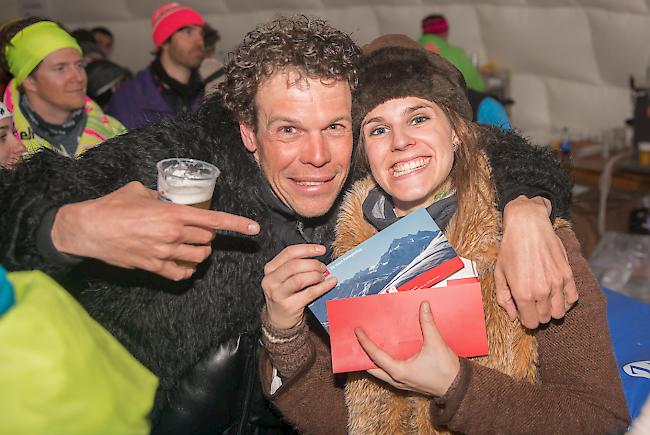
[(310, 45), (8, 31)]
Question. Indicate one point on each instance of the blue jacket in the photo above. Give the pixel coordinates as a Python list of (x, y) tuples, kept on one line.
[(138, 102)]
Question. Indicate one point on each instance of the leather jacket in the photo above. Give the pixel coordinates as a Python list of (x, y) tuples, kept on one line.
[(221, 395)]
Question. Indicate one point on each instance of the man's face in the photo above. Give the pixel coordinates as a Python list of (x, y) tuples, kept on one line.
[(185, 47), (59, 81), (303, 141)]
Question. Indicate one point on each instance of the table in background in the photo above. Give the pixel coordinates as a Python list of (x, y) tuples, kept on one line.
[(628, 174)]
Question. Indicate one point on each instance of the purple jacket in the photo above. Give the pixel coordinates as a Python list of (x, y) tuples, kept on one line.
[(138, 102)]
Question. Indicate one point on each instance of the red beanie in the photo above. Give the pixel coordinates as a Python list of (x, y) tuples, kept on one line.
[(170, 17), (435, 25)]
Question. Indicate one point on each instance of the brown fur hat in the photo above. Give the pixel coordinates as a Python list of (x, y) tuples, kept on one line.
[(395, 66)]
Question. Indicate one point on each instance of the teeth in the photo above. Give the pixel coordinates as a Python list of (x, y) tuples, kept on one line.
[(404, 168), (309, 183)]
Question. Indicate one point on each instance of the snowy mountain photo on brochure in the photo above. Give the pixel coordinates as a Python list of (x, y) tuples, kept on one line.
[(410, 254)]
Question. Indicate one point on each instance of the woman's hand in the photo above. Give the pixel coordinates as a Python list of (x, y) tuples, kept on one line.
[(293, 280), (429, 372)]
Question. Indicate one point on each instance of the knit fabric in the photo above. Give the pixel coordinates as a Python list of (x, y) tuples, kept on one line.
[(290, 348), (34, 43), (170, 17), (435, 24), (399, 71)]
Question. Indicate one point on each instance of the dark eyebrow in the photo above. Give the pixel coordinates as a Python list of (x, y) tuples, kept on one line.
[(415, 108), (406, 111), (288, 120), (375, 119), (341, 118), (283, 120)]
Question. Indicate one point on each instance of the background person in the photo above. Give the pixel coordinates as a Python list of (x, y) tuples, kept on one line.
[(90, 50), (104, 39), (171, 83), (87, 382), (11, 149), (104, 79), (487, 109), (413, 119), (47, 94), (211, 70), (435, 31)]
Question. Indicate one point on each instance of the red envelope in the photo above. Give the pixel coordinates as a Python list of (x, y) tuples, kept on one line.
[(392, 322)]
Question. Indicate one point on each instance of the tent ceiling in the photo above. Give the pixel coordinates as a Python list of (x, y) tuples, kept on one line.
[(570, 60)]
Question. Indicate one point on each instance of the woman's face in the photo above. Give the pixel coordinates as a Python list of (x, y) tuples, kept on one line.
[(11, 149), (408, 142)]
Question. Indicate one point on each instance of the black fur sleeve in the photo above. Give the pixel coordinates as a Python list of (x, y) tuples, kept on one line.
[(519, 168), (48, 180)]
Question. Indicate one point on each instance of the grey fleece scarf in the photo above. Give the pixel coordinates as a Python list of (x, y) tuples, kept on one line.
[(378, 209)]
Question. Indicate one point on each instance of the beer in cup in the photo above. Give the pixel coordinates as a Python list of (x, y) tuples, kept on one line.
[(189, 182), (186, 181)]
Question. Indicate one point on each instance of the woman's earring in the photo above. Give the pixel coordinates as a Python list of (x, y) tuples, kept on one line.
[(454, 146)]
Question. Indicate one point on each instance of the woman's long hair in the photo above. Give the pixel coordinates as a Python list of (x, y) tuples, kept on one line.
[(468, 176)]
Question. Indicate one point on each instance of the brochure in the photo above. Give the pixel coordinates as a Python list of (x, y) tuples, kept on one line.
[(392, 321), (412, 253)]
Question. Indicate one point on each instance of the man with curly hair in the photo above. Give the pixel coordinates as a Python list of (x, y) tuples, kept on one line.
[(284, 162)]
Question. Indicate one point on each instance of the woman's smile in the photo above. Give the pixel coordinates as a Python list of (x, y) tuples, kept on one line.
[(404, 168)]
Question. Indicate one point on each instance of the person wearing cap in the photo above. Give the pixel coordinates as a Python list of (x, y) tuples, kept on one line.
[(171, 84), (47, 94), (11, 149), (413, 120), (435, 30), (487, 109)]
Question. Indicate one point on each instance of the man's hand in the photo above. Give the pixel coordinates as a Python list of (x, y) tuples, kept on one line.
[(292, 280), (131, 228), (431, 371), (533, 278)]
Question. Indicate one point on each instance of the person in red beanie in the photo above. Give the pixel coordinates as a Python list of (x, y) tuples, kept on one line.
[(171, 83)]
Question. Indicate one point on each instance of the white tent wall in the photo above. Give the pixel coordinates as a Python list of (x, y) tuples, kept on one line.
[(570, 60)]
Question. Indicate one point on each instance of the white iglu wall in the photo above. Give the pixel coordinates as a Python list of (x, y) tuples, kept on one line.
[(570, 60)]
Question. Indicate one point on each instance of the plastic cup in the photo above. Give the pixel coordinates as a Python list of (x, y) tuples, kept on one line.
[(186, 181)]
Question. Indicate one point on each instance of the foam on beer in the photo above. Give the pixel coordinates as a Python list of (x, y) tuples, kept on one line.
[(185, 190)]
